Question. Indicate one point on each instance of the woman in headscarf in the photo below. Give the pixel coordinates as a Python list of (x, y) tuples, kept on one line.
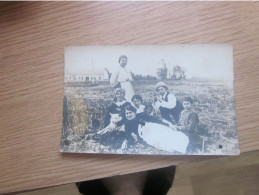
[(118, 105), (113, 132)]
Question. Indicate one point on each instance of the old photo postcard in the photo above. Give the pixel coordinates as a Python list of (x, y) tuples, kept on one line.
[(149, 99)]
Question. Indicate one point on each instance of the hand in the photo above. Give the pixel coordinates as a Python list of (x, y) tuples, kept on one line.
[(124, 145), (134, 137), (102, 132), (172, 126), (142, 122), (159, 98)]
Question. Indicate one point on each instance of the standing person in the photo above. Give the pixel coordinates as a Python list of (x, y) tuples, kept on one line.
[(122, 78), (167, 103), (117, 106)]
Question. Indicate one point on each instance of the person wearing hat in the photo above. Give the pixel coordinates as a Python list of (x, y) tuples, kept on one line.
[(122, 78), (167, 103), (118, 105)]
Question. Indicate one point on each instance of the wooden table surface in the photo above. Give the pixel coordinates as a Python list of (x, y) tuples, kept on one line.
[(32, 40)]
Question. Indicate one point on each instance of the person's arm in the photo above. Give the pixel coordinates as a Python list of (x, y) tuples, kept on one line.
[(130, 76), (127, 132), (169, 124), (114, 77), (192, 123), (156, 104), (108, 116), (171, 102), (130, 133)]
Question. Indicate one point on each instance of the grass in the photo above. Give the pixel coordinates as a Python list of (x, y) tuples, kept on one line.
[(87, 107)]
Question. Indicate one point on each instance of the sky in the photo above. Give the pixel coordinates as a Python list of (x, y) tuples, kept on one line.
[(214, 61)]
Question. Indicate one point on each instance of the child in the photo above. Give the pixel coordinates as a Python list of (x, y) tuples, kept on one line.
[(196, 104), (147, 116), (137, 103), (188, 124), (149, 110)]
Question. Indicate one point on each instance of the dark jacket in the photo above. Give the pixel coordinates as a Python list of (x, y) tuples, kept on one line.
[(115, 109), (175, 112)]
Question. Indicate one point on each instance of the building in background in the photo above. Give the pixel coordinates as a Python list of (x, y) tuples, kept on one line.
[(90, 75)]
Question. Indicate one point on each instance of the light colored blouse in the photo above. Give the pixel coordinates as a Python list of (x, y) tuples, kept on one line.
[(120, 75)]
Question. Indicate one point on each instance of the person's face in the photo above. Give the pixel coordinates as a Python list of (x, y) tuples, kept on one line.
[(123, 62), (196, 104), (187, 105), (161, 90), (119, 96), (130, 115), (136, 102), (149, 111)]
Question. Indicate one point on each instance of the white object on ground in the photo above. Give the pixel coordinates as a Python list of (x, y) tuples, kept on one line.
[(163, 138)]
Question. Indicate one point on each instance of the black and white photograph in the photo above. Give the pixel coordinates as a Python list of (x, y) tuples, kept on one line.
[(150, 100)]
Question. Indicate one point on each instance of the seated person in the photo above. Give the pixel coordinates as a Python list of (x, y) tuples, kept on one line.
[(137, 103), (149, 110), (131, 125), (167, 104), (188, 124), (112, 135), (147, 116), (151, 133), (133, 120), (117, 106), (196, 104)]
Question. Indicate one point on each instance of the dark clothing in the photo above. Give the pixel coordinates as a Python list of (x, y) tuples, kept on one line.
[(188, 121), (115, 109), (159, 181), (175, 112), (148, 118), (188, 124), (131, 126), (92, 187), (114, 139)]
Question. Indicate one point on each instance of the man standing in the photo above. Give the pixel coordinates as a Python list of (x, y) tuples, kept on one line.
[(167, 103), (121, 78)]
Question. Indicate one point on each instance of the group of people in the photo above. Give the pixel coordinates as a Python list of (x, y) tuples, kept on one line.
[(127, 113)]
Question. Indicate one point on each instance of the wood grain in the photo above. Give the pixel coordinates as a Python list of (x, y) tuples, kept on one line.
[(32, 40), (227, 175)]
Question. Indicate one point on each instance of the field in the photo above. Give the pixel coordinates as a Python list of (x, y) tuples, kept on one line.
[(85, 107)]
